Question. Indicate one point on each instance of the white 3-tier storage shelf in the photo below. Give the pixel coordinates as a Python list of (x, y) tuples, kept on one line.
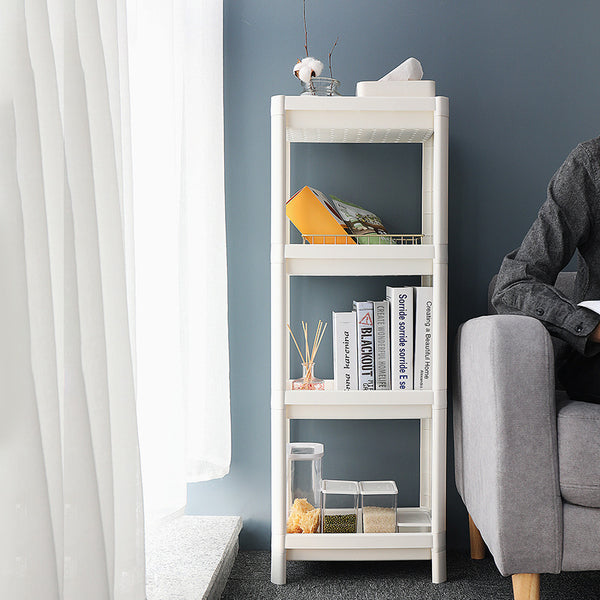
[(362, 120)]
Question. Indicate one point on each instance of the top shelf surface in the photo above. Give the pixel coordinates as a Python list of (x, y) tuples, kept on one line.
[(353, 119)]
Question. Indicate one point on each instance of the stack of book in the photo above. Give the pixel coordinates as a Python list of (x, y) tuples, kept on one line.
[(385, 344)]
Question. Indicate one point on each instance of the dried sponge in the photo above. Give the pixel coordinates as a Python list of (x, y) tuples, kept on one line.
[(309, 521), (304, 517), (301, 505)]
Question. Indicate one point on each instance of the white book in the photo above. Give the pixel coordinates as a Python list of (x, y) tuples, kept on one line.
[(345, 371), (423, 337), (365, 343), (401, 336), (381, 324)]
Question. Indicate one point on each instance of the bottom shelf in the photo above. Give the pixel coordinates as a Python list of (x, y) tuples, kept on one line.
[(412, 542)]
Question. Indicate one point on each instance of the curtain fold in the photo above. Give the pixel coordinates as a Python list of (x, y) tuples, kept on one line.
[(69, 461), (176, 63), (204, 302)]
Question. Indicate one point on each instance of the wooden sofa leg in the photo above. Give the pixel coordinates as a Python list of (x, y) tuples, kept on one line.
[(526, 586), (477, 543)]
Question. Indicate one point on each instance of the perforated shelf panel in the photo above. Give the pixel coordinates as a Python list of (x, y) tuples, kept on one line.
[(350, 119), (359, 136)]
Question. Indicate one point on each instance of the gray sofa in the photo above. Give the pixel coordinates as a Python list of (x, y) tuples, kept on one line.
[(527, 458)]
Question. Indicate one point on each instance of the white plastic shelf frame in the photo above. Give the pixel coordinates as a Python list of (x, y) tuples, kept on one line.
[(421, 530)]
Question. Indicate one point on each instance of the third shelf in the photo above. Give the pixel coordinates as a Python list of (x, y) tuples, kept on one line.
[(381, 404)]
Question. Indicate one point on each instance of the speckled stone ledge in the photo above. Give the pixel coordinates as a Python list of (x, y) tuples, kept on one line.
[(190, 557)]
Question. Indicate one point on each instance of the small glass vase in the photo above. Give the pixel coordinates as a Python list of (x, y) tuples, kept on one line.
[(308, 381), (321, 86)]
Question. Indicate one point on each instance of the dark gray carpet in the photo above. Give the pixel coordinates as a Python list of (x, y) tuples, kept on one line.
[(467, 580)]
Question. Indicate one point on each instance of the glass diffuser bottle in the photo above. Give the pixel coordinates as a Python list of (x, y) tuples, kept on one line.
[(309, 381)]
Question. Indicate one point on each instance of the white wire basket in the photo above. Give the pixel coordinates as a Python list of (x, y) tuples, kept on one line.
[(388, 239)]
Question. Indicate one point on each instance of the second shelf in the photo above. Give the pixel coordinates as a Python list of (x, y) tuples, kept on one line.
[(336, 259)]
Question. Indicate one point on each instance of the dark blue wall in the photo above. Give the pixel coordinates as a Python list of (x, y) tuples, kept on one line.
[(523, 80)]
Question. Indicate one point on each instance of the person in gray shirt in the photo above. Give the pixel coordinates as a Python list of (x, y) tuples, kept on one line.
[(568, 222)]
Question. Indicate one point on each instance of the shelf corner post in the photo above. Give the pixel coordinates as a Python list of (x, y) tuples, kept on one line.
[(440, 285), (278, 338)]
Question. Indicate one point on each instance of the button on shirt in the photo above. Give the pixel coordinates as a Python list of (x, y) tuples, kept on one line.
[(567, 222)]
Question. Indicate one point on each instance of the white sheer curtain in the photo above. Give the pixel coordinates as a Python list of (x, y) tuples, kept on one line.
[(176, 51), (70, 495)]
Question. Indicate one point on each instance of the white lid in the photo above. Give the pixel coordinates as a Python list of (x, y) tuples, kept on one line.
[(338, 486), (422, 88), (305, 450), (378, 487)]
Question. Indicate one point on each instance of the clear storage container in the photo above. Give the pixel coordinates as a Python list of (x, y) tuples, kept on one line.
[(304, 472), (339, 506), (378, 500)]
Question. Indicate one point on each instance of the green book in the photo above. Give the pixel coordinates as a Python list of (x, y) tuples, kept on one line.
[(365, 225)]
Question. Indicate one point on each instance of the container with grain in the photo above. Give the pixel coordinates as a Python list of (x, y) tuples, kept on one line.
[(339, 506), (378, 500)]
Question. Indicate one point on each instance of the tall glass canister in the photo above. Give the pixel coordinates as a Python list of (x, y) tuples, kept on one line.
[(304, 472)]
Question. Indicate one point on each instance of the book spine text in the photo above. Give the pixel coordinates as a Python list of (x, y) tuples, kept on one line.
[(401, 336), (423, 338), (365, 343), (345, 373), (381, 323)]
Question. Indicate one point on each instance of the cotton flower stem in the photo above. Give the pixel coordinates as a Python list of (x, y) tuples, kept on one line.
[(330, 53)]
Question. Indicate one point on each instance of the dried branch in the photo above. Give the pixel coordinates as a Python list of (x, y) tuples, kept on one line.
[(305, 29), (330, 53)]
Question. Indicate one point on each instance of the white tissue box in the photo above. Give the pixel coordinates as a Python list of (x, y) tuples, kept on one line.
[(419, 89)]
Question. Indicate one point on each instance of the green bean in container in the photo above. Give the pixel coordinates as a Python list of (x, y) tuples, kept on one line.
[(339, 523)]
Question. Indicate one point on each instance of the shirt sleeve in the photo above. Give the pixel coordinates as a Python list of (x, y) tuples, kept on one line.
[(526, 280)]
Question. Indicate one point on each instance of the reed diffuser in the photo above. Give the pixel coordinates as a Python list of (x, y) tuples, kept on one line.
[(308, 381)]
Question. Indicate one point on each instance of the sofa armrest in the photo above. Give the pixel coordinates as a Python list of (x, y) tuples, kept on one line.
[(505, 440)]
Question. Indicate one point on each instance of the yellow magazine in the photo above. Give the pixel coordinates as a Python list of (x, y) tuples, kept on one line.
[(316, 218)]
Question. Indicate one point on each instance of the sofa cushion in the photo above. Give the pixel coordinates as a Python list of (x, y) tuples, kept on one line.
[(579, 453), (581, 549)]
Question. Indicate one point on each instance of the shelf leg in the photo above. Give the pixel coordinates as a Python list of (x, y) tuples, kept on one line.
[(278, 573), (438, 566), (438, 491), (278, 493)]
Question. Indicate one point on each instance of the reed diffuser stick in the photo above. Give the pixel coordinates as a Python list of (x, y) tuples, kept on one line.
[(305, 327), (318, 343), (312, 354), (295, 342)]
